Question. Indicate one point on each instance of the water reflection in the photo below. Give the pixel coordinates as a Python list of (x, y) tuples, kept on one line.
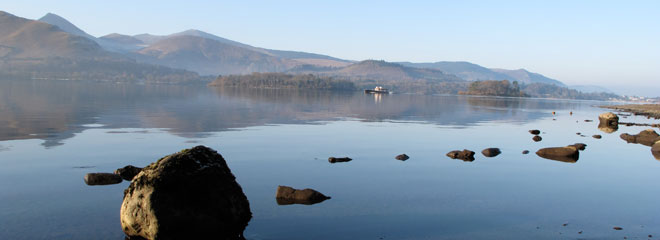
[(607, 128), (54, 111)]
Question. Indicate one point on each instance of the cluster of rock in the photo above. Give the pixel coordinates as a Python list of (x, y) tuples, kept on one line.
[(647, 137), (126, 173), (536, 133), (468, 156), (193, 193)]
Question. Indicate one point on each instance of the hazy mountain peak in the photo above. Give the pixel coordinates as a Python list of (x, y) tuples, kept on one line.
[(23, 38), (524, 76), (122, 39), (64, 24)]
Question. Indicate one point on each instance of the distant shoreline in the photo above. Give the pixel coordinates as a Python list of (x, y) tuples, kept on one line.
[(651, 110)]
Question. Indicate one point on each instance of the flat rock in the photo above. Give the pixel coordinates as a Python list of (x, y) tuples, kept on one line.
[(537, 138), (102, 179), (128, 172), (647, 137), (563, 154), (287, 195), (491, 152), (535, 132), (402, 157), (465, 155), (191, 194), (339, 159)]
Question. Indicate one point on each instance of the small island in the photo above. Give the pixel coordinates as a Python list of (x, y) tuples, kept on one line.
[(502, 88)]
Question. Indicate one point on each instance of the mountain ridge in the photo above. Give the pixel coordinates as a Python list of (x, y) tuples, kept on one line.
[(474, 72)]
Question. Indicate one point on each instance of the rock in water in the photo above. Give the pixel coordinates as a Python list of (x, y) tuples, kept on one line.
[(128, 172), (655, 150), (579, 146), (597, 136), (465, 155), (535, 132), (288, 195), (187, 195), (608, 122), (525, 152), (537, 138), (491, 152), (563, 154), (102, 179), (647, 137), (402, 157), (340, 159)]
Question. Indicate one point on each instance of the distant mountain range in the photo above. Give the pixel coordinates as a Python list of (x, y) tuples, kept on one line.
[(384, 72), (474, 72), (203, 53), (38, 50)]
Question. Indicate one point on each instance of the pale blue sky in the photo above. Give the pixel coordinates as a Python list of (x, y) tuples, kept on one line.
[(611, 43)]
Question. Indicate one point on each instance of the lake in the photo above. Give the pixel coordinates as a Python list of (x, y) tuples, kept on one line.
[(54, 132)]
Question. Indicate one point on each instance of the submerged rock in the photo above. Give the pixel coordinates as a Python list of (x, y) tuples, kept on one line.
[(608, 122), (563, 154), (341, 159), (491, 152), (287, 195), (647, 137), (402, 157), (187, 195), (537, 138), (102, 179), (535, 132), (465, 155), (128, 172)]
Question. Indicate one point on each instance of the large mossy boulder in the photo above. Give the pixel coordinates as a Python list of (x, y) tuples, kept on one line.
[(187, 195)]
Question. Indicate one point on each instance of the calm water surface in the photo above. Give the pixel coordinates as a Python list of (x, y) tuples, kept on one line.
[(52, 133)]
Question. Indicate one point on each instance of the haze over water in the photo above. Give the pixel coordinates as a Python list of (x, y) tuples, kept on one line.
[(53, 132)]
